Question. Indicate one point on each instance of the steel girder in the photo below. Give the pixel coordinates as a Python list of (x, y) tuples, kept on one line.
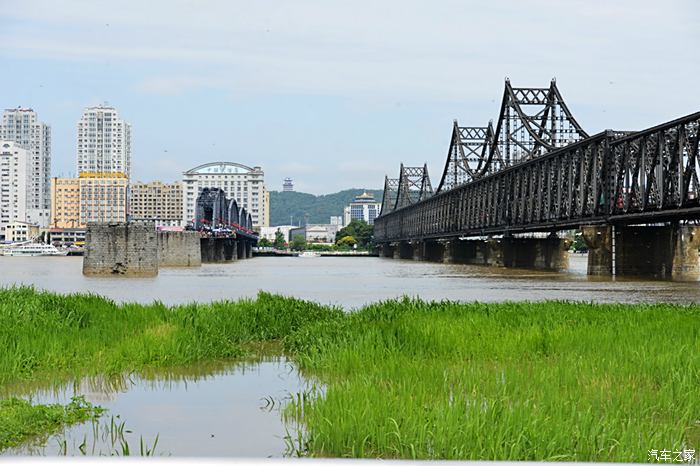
[(610, 177)]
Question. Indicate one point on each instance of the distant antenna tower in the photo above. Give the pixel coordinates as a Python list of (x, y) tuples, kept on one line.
[(288, 185)]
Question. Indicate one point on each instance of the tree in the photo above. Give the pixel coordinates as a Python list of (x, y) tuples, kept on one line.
[(279, 240), (298, 243), (348, 241), (359, 230), (264, 243)]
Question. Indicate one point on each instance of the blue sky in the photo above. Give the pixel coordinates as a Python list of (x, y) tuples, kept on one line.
[(335, 94)]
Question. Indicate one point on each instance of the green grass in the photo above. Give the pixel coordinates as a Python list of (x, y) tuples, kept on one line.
[(406, 379), (20, 420)]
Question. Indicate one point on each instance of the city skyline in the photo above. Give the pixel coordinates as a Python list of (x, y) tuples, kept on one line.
[(349, 95)]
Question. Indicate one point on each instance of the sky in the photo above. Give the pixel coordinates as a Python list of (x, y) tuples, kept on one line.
[(335, 94)]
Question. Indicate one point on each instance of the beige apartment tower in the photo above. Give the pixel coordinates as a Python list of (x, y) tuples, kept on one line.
[(65, 203)]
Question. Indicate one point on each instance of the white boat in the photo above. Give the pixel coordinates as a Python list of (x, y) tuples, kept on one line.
[(31, 249), (309, 254)]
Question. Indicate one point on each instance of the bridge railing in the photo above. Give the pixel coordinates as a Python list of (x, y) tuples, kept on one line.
[(652, 173)]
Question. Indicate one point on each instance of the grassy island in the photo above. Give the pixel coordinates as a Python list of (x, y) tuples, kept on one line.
[(404, 379)]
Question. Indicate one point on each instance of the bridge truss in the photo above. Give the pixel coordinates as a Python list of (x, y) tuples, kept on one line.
[(539, 171)]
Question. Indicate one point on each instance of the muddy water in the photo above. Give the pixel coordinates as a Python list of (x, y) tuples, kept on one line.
[(347, 281), (212, 410)]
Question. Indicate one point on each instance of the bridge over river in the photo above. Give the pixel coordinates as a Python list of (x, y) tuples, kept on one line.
[(507, 190)]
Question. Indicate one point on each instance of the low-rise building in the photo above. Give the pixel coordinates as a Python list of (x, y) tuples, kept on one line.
[(66, 236), (363, 207), (270, 232), (157, 201), (316, 233), (21, 231)]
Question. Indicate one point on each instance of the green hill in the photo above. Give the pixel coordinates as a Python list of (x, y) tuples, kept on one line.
[(318, 208)]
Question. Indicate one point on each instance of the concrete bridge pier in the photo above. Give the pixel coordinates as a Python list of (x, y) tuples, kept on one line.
[(240, 250), (418, 250), (219, 250), (667, 252), (551, 253), (599, 241), (387, 250), (403, 250), (434, 251), (456, 251)]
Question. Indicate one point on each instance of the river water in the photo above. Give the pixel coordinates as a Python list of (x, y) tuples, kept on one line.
[(347, 281), (214, 409)]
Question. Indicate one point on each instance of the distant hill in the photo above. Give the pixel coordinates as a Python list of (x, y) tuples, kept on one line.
[(319, 208)]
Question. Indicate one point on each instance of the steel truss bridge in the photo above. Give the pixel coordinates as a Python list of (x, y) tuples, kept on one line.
[(537, 170), (218, 216)]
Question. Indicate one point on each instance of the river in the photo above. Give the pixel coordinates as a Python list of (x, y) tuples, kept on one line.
[(347, 281)]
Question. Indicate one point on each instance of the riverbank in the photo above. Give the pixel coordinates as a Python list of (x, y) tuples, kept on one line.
[(404, 379)]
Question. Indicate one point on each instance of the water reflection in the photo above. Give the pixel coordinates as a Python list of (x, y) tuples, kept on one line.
[(214, 409)]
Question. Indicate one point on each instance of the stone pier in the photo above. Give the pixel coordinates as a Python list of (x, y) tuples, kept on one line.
[(137, 249), (179, 249), (667, 252), (129, 249)]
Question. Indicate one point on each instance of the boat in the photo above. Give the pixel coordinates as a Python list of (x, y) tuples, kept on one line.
[(32, 249), (309, 254)]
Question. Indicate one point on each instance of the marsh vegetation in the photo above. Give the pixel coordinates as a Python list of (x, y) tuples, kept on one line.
[(402, 379)]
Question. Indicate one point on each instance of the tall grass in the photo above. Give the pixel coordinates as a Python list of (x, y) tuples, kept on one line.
[(407, 379), (49, 336), (510, 381)]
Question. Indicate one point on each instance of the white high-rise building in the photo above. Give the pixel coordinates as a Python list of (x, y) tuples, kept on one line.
[(104, 142), (244, 184), (22, 125), (14, 175)]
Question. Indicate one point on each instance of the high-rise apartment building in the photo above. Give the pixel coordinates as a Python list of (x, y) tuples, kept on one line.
[(244, 184), (104, 142), (14, 175), (22, 126), (157, 201), (288, 185)]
